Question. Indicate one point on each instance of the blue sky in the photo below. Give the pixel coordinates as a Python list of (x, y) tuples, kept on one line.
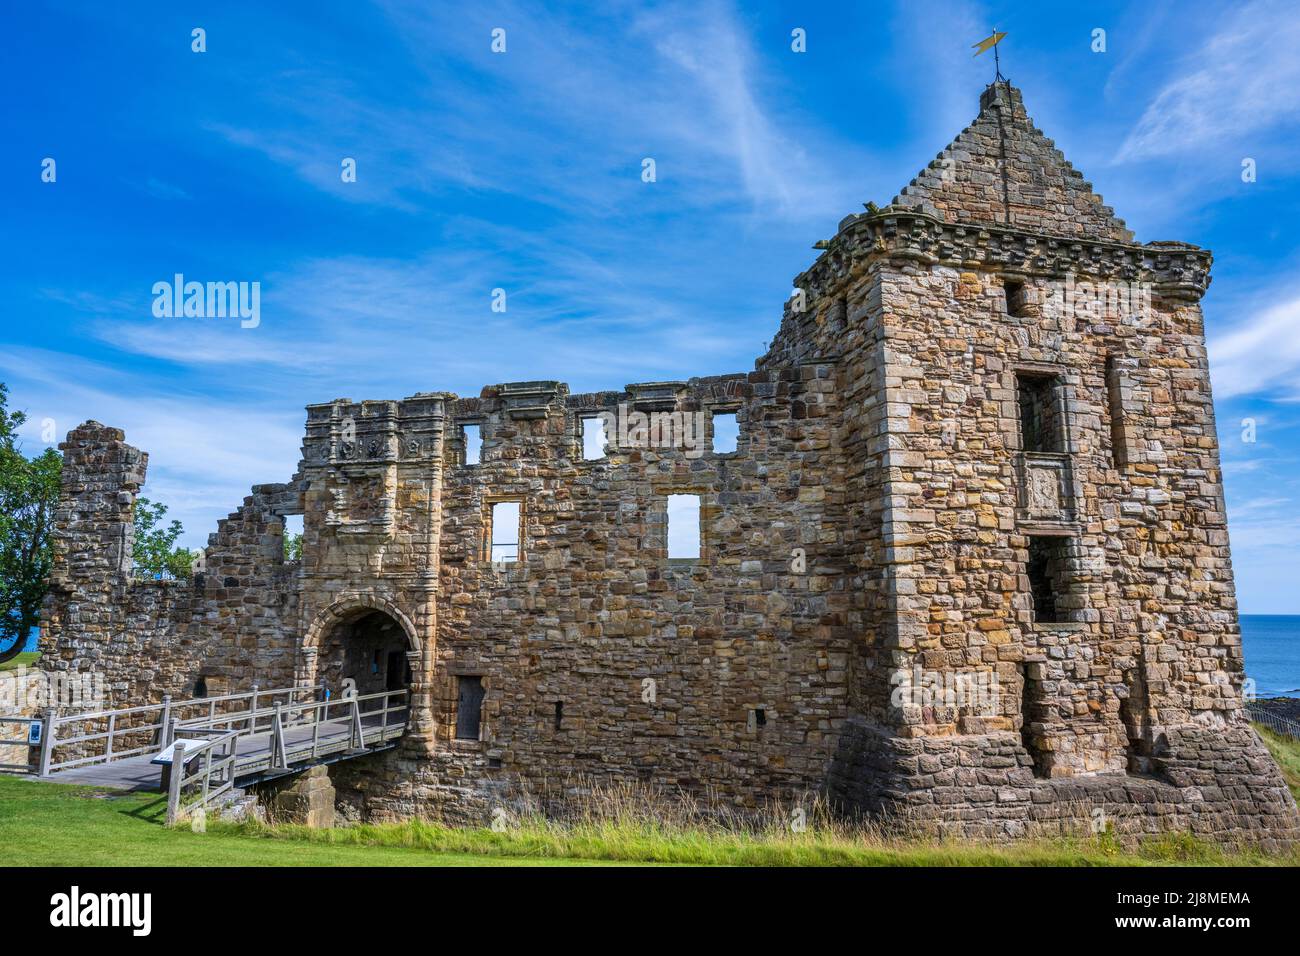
[(522, 171)]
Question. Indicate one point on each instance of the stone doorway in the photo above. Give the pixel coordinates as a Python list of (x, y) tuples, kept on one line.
[(370, 649)]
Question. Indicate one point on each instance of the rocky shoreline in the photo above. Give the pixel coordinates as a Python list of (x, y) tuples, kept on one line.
[(1288, 707)]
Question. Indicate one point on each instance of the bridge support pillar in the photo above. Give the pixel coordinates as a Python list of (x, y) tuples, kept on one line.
[(306, 798)]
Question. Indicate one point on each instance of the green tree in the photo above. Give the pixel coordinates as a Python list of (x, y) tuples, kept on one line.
[(29, 491), (155, 551), (292, 546)]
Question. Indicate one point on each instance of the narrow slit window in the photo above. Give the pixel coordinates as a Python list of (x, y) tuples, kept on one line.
[(503, 532), (559, 714), (1041, 428), (472, 437), (469, 707), (726, 432), (1030, 693), (593, 438), (1047, 572), (683, 532), (1115, 388)]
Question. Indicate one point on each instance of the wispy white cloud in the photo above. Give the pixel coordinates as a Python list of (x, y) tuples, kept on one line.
[(1245, 79), (204, 453), (1260, 355), (682, 86), (161, 190)]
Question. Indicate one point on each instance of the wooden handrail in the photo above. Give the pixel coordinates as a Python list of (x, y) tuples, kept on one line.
[(160, 719), (267, 710)]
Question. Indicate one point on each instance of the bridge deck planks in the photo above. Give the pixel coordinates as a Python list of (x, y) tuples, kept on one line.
[(254, 756)]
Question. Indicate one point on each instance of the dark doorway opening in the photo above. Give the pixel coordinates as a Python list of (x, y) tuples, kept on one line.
[(398, 674), (369, 649)]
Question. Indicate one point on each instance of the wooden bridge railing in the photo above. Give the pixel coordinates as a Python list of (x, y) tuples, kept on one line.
[(107, 735), (203, 771), (205, 767), (19, 736)]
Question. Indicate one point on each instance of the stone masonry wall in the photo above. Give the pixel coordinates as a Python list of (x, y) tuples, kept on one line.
[(882, 542), (231, 625)]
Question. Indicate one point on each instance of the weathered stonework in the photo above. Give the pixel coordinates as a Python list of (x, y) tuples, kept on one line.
[(880, 517)]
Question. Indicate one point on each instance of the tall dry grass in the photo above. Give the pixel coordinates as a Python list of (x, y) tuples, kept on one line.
[(637, 824)]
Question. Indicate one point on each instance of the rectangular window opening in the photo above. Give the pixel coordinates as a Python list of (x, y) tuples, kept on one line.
[(503, 532), (684, 529), (1017, 298), (594, 438), (1047, 570), (472, 439), (726, 432), (1041, 428), (559, 714), (293, 537), (469, 707)]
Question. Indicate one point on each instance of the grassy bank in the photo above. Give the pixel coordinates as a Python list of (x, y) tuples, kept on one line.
[(628, 826), (51, 825), (43, 824), (643, 842), (25, 659)]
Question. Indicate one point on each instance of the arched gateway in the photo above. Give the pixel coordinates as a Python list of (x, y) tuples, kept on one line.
[(361, 639)]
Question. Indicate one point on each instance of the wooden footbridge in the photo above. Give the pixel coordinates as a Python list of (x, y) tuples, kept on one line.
[(200, 750)]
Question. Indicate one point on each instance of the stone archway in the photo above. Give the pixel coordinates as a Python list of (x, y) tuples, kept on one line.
[(323, 656), (368, 651), (364, 639)]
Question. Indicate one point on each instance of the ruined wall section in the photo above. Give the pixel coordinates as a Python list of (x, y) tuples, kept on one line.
[(234, 624), (246, 629), (746, 654), (95, 617)]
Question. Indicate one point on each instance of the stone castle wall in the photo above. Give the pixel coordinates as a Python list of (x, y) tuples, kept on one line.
[(233, 626), (883, 520)]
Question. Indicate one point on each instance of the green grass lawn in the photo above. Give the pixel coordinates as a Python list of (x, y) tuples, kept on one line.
[(25, 659), (45, 824)]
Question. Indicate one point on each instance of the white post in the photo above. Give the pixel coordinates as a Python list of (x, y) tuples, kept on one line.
[(174, 784), (47, 741), (277, 741), (358, 737), (164, 721)]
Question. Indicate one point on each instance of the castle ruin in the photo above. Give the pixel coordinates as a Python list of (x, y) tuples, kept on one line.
[(967, 564)]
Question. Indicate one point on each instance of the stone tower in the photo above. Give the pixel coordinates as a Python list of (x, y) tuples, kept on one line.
[(1042, 503), (967, 563)]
